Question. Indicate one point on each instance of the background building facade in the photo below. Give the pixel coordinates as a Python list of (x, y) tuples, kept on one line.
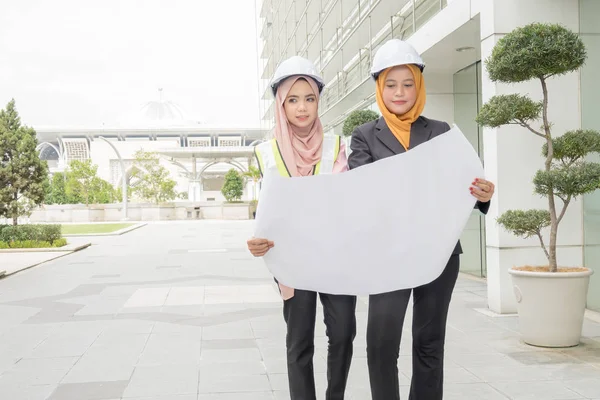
[(197, 156), (454, 37)]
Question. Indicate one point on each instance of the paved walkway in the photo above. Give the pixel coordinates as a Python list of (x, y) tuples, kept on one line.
[(181, 311), (15, 260)]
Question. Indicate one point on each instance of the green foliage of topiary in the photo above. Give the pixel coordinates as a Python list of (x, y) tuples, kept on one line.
[(525, 223), (509, 109), (573, 146), (536, 51), (540, 51), (568, 182)]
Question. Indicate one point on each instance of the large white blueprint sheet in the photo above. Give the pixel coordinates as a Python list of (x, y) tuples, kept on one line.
[(389, 225)]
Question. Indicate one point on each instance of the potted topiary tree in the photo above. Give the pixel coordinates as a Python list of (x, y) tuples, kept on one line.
[(551, 299)]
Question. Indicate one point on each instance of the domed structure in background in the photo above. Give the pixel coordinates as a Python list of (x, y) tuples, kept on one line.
[(196, 155), (160, 113)]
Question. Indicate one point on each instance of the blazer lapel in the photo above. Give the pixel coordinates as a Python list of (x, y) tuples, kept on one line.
[(419, 132), (385, 135)]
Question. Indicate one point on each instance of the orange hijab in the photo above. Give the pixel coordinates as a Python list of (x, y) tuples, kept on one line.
[(400, 124)]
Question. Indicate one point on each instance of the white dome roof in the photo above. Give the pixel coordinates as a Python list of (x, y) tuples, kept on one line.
[(161, 110), (160, 114)]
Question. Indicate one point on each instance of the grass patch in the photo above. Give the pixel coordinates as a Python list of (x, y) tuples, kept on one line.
[(32, 244), (81, 229)]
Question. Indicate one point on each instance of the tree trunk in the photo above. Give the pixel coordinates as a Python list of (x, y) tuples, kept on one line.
[(15, 216), (551, 200)]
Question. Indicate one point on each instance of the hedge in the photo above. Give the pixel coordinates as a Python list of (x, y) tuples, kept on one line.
[(38, 233), (32, 244)]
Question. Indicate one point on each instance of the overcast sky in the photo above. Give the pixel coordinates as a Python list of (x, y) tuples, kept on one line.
[(84, 62)]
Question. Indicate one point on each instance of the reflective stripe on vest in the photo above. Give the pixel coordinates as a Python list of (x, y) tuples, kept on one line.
[(270, 159)]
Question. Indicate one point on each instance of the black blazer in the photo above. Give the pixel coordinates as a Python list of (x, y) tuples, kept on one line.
[(374, 141)]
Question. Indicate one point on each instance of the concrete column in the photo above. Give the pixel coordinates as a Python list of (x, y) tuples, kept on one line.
[(195, 189), (513, 154), (440, 97)]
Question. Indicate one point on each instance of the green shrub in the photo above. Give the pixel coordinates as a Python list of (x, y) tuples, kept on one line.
[(32, 244), (20, 233), (356, 119), (233, 188)]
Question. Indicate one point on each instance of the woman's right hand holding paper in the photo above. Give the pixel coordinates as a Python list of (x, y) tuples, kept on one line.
[(259, 247)]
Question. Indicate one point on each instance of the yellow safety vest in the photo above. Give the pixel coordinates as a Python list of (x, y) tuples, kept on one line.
[(269, 157)]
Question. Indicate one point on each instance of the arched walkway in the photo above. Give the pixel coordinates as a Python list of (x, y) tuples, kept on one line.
[(233, 163)]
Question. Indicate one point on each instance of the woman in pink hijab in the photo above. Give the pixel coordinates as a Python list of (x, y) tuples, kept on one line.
[(300, 145)]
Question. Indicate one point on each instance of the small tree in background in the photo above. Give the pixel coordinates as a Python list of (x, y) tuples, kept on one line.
[(356, 119), (155, 183), (23, 175), (541, 51), (233, 188), (253, 174), (80, 181), (56, 190), (80, 184)]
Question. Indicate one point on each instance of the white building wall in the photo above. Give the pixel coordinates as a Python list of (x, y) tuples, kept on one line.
[(440, 97)]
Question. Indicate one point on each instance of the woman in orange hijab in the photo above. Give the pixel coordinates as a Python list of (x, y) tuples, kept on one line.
[(401, 95)]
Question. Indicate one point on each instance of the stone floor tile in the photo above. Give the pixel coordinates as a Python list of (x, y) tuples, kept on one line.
[(229, 344), (217, 368), (229, 384), (492, 373), (23, 391), (585, 387), (67, 345), (230, 355), (38, 371), (536, 390), (170, 349), (148, 297), (472, 391), (238, 396), (163, 380), (90, 369), (182, 296), (169, 397), (279, 382), (460, 375), (89, 391), (232, 330)]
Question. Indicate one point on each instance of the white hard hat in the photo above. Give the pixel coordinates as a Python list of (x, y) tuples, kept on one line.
[(296, 65), (395, 52)]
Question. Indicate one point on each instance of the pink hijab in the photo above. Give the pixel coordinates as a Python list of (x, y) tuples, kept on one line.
[(299, 154)]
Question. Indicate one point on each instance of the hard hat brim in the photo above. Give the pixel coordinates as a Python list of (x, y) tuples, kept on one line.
[(376, 74), (275, 83)]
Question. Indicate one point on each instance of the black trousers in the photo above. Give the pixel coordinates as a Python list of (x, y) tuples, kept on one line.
[(384, 331), (300, 314)]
